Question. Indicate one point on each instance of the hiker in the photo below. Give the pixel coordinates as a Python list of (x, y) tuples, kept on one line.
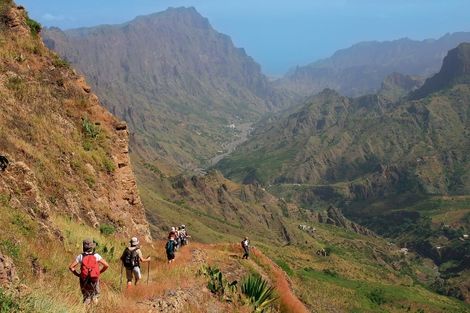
[(3, 163), (89, 271), (179, 238), (184, 235), (246, 248), (131, 259), (172, 233), (170, 248)]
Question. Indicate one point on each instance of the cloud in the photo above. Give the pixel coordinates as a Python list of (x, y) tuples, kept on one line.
[(51, 17)]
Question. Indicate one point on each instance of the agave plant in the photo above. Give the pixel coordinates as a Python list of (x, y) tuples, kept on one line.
[(259, 293), (217, 283)]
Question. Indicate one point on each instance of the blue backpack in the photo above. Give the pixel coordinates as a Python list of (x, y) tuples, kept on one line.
[(170, 246)]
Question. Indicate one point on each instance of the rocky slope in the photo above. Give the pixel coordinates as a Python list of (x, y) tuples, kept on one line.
[(66, 154), (360, 69), (170, 75)]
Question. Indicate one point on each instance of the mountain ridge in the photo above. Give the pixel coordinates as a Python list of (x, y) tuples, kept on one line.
[(361, 68), (171, 64)]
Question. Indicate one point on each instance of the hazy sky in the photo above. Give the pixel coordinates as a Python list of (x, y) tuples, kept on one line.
[(279, 34)]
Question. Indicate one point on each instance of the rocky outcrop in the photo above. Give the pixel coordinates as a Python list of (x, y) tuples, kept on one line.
[(455, 69), (8, 273), (13, 18), (334, 216)]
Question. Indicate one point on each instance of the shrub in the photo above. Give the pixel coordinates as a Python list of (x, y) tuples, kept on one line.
[(22, 224), (259, 293), (90, 181), (34, 26), (59, 62), (10, 248), (217, 284), (107, 229), (87, 145), (108, 165), (7, 303), (377, 296), (14, 83), (90, 129)]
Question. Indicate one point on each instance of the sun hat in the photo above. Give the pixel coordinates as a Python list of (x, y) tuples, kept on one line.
[(134, 241), (88, 245)]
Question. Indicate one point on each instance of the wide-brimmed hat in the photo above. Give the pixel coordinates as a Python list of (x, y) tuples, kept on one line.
[(88, 245), (134, 241)]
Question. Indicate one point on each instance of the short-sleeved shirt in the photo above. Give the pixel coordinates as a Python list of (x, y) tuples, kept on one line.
[(79, 258), (138, 252)]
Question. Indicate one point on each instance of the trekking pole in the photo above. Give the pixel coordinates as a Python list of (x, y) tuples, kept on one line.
[(148, 272), (120, 279)]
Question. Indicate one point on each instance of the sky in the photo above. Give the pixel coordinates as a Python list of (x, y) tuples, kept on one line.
[(279, 34)]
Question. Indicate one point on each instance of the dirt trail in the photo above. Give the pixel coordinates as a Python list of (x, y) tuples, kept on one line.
[(176, 288)]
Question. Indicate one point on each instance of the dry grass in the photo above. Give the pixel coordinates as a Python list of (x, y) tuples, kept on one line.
[(289, 303)]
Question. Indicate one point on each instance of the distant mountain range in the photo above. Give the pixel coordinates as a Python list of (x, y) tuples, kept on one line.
[(173, 78), (360, 69), (334, 139), (400, 167)]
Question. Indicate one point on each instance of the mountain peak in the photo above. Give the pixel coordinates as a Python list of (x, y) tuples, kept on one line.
[(176, 15), (455, 69)]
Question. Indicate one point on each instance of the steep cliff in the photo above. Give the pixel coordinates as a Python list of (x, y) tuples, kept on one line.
[(67, 155)]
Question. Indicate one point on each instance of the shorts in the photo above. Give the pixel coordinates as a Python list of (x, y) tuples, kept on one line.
[(134, 272), (170, 255), (90, 291)]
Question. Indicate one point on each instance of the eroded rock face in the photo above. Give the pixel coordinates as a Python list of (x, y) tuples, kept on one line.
[(334, 216), (49, 170), (21, 185), (7, 271), (14, 20)]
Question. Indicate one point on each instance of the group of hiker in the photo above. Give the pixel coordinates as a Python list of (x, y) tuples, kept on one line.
[(177, 237), (91, 264)]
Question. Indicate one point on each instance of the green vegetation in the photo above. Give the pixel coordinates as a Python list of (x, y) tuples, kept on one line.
[(90, 129), (217, 284), (285, 267), (7, 303), (259, 293), (34, 26), (11, 248), (107, 229), (59, 62)]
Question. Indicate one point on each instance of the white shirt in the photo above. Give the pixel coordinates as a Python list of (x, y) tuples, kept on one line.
[(79, 258)]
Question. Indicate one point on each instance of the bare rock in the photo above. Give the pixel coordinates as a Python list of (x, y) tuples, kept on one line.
[(83, 84), (7, 271)]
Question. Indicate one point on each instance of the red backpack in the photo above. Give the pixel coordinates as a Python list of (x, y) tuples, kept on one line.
[(90, 270)]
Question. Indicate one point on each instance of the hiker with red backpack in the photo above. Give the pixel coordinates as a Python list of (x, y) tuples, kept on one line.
[(131, 259), (90, 271)]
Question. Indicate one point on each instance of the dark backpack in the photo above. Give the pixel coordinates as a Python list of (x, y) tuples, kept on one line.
[(130, 258), (170, 246), (90, 269)]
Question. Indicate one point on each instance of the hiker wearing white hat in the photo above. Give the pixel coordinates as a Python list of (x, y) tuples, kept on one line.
[(131, 259)]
